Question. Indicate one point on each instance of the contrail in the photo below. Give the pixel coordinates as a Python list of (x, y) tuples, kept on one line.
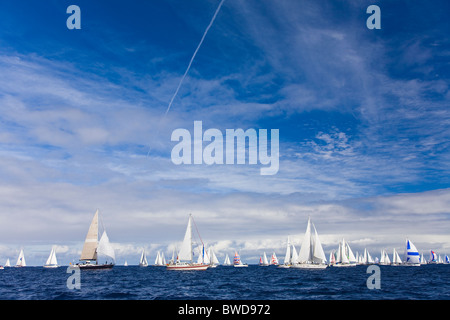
[(193, 56)]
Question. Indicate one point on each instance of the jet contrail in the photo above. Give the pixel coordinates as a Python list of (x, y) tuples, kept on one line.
[(193, 56)]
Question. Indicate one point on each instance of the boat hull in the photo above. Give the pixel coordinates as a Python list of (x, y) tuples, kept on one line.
[(240, 265), (193, 267), (94, 266), (343, 265), (51, 266), (309, 266)]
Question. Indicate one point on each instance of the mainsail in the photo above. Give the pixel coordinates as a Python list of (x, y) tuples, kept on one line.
[(90, 243)]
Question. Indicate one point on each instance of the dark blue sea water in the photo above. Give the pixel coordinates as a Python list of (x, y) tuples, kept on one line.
[(429, 282)]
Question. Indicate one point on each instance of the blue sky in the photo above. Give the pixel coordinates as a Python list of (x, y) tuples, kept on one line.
[(363, 117)]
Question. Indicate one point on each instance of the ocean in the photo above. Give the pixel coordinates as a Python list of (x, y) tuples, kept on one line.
[(428, 282)]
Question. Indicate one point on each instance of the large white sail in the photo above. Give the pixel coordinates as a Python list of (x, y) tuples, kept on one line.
[(287, 257), (318, 254), (105, 248), (185, 253), (305, 254)]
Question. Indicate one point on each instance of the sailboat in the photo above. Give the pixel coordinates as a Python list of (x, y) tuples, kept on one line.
[(287, 257), (384, 258), (143, 260), (344, 255), (51, 261), (93, 249), (7, 264), (396, 261), (237, 262), (433, 257), (422, 259), (21, 260), (274, 259), (214, 262), (263, 261), (311, 254), (412, 255), (227, 261), (185, 258), (160, 260)]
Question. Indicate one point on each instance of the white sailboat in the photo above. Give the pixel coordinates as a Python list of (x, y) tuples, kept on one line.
[(237, 262), (213, 261), (185, 258), (143, 260), (287, 256), (396, 260), (384, 258), (95, 250), (422, 259), (51, 262), (160, 259), (412, 255), (311, 254), (21, 260), (227, 261), (367, 258), (344, 255), (263, 261), (8, 263)]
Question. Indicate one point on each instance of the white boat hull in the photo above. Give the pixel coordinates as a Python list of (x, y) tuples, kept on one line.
[(193, 267), (241, 265), (344, 265), (50, 266), (309, 266)]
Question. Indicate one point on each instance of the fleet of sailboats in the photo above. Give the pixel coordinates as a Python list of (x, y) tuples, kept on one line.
[(310, 256)]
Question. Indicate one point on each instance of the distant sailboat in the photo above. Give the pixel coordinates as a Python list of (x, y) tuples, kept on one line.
[(344, 255), (422, 259), (213, 261), (263, 261), (227, 261), (21, 260), (412, 255), (287, 257), (237, 262), (93, 249), (160, 260), (185, 257), (384, 258), (311, 254), (125, 264), (367, 258), (433, 257), (274, 259), (51, 262), (396, 261), (8, 263), (143, 260)]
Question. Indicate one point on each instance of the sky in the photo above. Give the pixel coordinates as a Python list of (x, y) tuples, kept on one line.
[(363, 118)]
